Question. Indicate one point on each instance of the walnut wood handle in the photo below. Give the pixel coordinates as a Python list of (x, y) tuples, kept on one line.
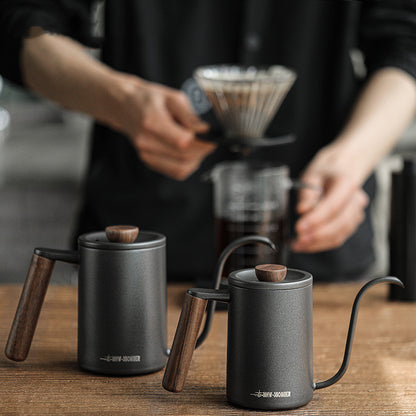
[(184, 343), (28, 309)]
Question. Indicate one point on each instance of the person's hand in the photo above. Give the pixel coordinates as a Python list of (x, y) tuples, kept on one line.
[(162, 127), (330, 216)]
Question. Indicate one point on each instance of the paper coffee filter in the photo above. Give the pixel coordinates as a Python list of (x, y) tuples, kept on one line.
[(245, 99)]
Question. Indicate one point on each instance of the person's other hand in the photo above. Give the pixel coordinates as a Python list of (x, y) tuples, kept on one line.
[(162, 127), (327, 218)]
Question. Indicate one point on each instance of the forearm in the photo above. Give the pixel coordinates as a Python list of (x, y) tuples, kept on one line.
[(158, 120), (380, 116), (58, 68)]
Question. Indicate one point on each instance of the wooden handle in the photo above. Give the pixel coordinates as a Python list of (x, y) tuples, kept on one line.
[(28, 309), (122, 233), (184, 343), (271, 272)]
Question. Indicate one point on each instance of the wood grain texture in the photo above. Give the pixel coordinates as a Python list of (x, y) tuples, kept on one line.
[(270, 272), (381, 379), (183, 346), (122, 233), (28, 309)]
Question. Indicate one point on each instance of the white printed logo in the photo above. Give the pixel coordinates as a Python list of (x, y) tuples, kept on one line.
[(121, 358), (271, 394)]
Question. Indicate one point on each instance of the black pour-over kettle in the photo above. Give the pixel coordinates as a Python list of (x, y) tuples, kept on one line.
[(122, 313), (269, 350)]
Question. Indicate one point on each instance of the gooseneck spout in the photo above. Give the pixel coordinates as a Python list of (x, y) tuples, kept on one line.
[(351, 329), (253, 239)]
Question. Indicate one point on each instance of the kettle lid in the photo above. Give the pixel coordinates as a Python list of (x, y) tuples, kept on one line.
[(246, 278), (122, 238)]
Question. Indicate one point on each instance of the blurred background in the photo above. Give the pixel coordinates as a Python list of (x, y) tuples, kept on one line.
[(43, 156)]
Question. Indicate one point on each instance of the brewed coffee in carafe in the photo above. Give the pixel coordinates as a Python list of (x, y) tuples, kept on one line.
[(251, 198)]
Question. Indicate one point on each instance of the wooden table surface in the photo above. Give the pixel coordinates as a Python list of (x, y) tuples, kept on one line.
[(381, 379)]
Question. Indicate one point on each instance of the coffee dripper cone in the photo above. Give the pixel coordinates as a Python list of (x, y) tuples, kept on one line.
[(245, 99)]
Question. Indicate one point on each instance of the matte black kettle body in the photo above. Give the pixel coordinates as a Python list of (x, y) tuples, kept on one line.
[(121, 302), (269, 349)]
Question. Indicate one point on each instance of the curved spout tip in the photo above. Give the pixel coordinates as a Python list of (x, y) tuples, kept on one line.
[(396, 281), (387, 279), (273, 246)]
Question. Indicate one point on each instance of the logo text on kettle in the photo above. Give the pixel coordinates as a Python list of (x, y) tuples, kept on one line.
[(271, 394), (121, 358)]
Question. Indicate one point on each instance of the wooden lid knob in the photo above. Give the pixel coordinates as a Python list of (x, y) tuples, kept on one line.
[(122, 233), (271, 272)]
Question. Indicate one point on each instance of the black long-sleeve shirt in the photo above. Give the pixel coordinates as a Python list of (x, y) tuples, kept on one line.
[(164, 41)]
